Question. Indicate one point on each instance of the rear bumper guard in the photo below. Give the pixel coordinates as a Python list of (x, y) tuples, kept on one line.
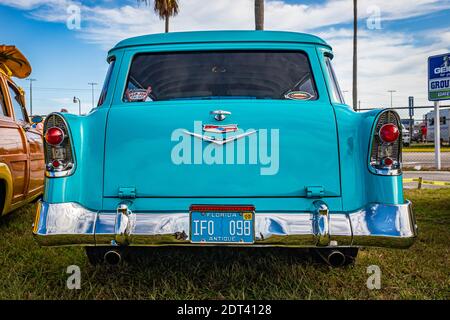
[(376, 225)]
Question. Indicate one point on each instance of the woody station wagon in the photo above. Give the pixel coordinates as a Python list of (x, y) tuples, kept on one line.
[(237, 138)]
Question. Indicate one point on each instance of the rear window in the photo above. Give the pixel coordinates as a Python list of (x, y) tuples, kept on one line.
[(220, 75)]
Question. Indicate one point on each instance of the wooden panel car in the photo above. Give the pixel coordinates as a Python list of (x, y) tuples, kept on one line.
[(21, 146)]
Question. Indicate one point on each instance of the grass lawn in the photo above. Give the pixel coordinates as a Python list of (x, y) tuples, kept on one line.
[(422, 272)]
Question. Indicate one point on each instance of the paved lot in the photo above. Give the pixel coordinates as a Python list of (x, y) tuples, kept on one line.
[(425, 159), (426, 175)]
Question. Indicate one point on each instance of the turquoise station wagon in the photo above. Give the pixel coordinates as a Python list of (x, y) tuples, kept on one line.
[(230, 138)]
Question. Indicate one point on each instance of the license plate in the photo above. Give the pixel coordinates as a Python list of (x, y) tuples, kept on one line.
[(222, 224)]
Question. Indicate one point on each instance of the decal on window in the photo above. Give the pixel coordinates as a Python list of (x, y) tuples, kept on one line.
[(138, 95), (299, 95)]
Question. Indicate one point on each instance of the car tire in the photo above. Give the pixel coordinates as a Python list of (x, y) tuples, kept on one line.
[(336, 258)]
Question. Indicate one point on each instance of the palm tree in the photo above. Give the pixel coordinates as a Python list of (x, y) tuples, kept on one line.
[(259, 14), (355, 55), (165, 9)]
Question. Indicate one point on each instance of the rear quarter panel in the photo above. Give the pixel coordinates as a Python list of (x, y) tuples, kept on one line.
[(359, 185), (85, 185)]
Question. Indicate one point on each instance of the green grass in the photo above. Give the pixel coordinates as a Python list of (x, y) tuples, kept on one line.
[(422, 272)]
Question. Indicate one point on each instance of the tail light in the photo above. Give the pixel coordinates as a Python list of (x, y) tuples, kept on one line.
[(59, 155), (386, 152), (389, 133), (54, 136)]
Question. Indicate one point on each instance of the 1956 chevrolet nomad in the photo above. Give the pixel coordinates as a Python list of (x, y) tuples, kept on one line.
[(224, 138)]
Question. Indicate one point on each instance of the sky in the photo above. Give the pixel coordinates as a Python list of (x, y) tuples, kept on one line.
[(67, 41)]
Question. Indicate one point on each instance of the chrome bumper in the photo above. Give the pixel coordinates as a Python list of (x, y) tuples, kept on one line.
[(376, 225)]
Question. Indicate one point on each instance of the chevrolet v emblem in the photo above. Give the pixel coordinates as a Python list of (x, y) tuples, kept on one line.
[(219, 141), (212, 128)]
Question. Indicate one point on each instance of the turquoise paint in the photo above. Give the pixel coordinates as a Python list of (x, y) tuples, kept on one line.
[(325, 143), (207, 37)]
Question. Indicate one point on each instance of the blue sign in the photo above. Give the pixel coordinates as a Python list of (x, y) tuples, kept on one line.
[(411, 106), (439, 77)]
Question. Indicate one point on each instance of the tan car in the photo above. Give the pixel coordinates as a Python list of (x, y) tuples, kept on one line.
[(22, 162)]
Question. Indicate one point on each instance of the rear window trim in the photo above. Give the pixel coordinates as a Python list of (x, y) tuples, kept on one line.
[(135, 54)]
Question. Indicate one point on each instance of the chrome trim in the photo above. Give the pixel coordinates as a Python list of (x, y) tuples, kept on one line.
[(220, 115), (219, 141), (64, 172), (123, 224), (377, 225), (385, 171), (231, 127), (322, 222)]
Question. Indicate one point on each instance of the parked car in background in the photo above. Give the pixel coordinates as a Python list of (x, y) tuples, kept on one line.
[(21, 146), (444, 114), (406, 138), (224, 139)]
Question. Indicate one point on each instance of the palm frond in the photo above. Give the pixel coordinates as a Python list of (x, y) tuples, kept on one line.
[(166, 8)]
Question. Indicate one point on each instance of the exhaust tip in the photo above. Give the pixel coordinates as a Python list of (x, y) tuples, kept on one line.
[(336, 259), (112, 258)]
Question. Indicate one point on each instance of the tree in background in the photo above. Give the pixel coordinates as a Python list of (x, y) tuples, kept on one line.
[(355, 55), (259, 14), (165, 9)]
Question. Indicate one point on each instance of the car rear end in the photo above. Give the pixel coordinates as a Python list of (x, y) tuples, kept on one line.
[(233, 139)]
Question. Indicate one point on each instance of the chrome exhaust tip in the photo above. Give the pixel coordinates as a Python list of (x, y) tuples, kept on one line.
[(112, 257), (336, 258)]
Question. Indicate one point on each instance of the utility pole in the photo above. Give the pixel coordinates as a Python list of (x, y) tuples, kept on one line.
[(31, 94), (93, 84), (355, 55), (411, 115), (391, 92)]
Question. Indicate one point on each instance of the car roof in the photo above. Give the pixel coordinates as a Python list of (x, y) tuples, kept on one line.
[(220, 36)]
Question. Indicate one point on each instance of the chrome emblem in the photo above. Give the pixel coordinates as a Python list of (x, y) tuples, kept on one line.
[(219, 141), (212, 128), (220, 115)]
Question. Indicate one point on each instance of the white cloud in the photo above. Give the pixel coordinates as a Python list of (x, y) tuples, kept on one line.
[(388, 60)]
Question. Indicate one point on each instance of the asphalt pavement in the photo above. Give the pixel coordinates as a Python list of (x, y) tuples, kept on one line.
[(443, 176), (425, 159)]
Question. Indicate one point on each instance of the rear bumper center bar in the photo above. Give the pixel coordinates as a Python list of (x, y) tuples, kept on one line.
[(378, 225)]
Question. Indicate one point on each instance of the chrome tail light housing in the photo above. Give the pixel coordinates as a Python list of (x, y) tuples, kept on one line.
[(58, 149), (385, 153)]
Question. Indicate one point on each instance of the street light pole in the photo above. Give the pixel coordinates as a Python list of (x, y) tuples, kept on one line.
[(31, 94), (75, 100), (391, 92), (93, 84)]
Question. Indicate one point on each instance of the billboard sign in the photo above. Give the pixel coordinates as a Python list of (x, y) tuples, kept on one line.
[(439, 77)]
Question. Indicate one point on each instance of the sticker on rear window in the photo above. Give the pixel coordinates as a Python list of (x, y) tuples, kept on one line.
[(299, 95), (138, 95)]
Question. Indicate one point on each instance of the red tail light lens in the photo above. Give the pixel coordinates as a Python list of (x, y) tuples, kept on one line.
[(54, 136), (389, 133)]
